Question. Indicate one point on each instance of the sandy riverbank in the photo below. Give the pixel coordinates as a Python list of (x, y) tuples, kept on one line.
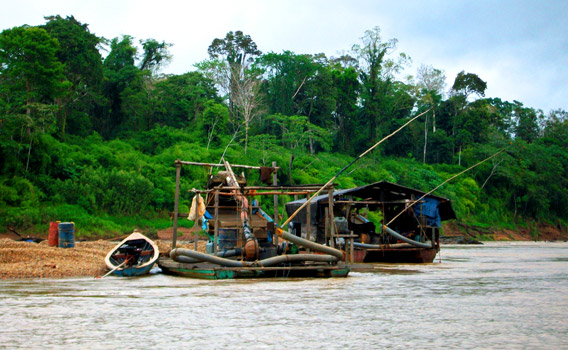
[(39, 260)]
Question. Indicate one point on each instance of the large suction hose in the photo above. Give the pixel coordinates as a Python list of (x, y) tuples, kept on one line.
[(309, 244), (407, 240), (296, 257), (183, 255), (222, 254)]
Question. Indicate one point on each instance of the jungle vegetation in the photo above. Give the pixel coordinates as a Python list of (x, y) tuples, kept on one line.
[(90, 128)]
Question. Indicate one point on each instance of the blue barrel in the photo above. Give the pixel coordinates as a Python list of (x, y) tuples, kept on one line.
[(66, 234), (227, 238)]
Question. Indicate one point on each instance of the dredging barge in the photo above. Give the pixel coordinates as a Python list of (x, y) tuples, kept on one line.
[(412, 234), (245, 241)]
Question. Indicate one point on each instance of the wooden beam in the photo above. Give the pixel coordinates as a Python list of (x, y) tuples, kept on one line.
[(219, 165), (176, 206), (216, 222), (274, 183)]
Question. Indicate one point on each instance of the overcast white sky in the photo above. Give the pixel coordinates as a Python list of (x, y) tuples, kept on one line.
[(520, 48)]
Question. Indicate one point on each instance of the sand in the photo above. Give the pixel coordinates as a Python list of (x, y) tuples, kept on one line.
[(39, 260)]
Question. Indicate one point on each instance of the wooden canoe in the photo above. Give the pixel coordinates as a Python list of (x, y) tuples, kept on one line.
[(134, 256)]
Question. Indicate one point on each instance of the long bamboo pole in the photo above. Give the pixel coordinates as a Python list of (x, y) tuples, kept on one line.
[(443, 183), (347, 166)]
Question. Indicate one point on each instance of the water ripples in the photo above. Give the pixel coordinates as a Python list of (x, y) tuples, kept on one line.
[(499, 295)]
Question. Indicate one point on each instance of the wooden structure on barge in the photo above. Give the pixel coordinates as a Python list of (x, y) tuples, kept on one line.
[(413, 236), (245, 233)]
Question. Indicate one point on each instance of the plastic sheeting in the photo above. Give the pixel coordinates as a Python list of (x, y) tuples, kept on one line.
[(429, 208)]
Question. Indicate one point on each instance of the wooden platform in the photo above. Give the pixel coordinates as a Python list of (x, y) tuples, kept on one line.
[(212, 271)]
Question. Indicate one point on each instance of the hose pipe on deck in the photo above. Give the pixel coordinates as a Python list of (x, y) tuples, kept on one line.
[(295, 258), (222, 254), (406, 239), (187, 255), (311, 245), (178, 253)]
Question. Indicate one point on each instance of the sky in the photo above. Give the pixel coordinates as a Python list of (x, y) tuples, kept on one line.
[(520, 48)]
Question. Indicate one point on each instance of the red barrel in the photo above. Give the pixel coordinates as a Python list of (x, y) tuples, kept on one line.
[(53, 238)]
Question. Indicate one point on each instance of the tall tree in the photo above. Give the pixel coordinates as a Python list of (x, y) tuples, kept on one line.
[(431, 84), (286, 75), (467, 84), (347, 88), (31, 79), (377, 75), (79, 52), (238, 51), (121, 74), (527, 122), (155, 55)]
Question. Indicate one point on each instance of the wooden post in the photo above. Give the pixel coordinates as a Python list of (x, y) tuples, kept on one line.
[(276, 220), (216, 235), (308, 222), (326, 227), (351, 259), (196, 232), (331, 218), (176, 204)]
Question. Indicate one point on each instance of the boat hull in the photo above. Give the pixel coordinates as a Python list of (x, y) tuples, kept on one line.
[(396, 255), (133, 271), (140, 248), (214, 272)]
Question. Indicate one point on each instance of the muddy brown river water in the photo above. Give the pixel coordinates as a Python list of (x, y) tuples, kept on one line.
[(495, 296)]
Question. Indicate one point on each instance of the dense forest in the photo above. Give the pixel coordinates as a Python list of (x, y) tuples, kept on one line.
[(90, 128)]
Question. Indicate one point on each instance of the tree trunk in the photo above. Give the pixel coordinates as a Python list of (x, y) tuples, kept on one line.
[(246, 137), (425, 138), (311, 145)]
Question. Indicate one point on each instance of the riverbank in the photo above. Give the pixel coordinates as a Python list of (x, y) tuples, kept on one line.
[(540, 232), (20, 259)]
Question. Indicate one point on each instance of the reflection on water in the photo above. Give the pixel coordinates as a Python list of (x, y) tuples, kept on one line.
[(499, 295)]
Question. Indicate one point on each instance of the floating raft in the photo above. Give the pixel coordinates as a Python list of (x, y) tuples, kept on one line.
[(212, 271)]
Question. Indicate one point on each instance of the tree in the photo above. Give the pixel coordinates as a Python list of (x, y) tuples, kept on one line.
[(120, 73), (248, 101), (155, 55), (236, 48), (467, 84), (180, 100), (286, 74), (238, 51), (431, 84), (78, 51), (31, 79), (346, 83), (527, 122), (377, 75), (215, 117)]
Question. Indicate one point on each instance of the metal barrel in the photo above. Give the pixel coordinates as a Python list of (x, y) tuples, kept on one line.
[(227, 238), (53, 238), (66, 234)]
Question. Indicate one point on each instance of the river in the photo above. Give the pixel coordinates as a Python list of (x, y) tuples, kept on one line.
[(494, 296)]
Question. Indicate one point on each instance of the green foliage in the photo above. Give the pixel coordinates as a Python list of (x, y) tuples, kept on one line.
[(94, 140)]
